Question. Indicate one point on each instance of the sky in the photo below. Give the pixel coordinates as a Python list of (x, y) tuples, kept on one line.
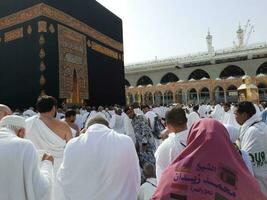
[(168, 28)]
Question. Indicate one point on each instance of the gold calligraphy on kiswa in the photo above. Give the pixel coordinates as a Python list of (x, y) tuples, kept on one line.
[(72, 63), (104, 50), (55, 14), (13, 35)]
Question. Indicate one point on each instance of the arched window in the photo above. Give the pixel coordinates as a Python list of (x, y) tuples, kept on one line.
[(148, 98), (144, 80), (138, 98), (168, 97), (219, 94), (179, 96), (262, 69), (262, 91), (231, 94), (127, 83), (232, 70), (198, 74), (130, 99), (158, 98), (192, 96), (169, 77), (204, 95)]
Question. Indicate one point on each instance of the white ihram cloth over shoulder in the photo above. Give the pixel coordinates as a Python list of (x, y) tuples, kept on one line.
[(79, 121), (217, 113), (192, 118), (150, 115), (253, 139), (107, 166), (234, 135), (229, 119), (22, 178), (202, 111), (138, 111), (129, 127), (45, 139), (147, 190), (117, 123), (169, 150)]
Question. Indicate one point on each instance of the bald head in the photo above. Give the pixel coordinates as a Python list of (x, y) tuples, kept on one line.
[(96, 120), (4, 111)]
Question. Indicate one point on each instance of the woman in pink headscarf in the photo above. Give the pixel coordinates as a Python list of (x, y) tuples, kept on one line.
[(210, 168)]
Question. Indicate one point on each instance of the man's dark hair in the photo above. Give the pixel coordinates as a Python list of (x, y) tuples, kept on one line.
[(246, 107), (145, 106), (264, 104), (135, 105), (195, 108), (45, 104), (118, 111), (70, 113), (127, 108), (176, 117), (227, 104), (149, 170)]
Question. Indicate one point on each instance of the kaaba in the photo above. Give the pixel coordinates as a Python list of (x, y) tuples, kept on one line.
[(69, 49)]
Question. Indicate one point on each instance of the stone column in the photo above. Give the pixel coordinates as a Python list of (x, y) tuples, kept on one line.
[(153, 98), (225, 98), (185, 95), (142, 99), (163, 98), (197, 97), (134, 100), (212, 97)]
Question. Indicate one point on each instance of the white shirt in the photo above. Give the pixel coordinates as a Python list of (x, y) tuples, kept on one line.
[(21, 177), (138, 111), (217, 113), (253, 139), (117, 124), (29, 113), (106, 167), (169, 150), (192, 118), (147, 190), (150, 115)]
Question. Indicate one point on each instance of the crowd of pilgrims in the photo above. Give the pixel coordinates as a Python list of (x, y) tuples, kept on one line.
[(184, 152)]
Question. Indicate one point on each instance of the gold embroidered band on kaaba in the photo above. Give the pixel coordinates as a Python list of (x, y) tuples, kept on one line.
[(55, 14), (14, 34)]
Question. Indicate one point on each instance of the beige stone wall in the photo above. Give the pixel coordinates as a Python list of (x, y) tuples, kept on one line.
[(179, 92)]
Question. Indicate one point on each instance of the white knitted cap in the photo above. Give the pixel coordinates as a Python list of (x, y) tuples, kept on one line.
[(13, 120)]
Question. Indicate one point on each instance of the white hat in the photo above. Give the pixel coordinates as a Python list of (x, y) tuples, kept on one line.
[(13, 120)]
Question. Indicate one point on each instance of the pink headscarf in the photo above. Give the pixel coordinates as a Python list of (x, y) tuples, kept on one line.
[(210, 168)]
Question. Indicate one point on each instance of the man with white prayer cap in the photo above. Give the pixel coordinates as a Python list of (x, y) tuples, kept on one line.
[(21, 175), (100, 164)]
